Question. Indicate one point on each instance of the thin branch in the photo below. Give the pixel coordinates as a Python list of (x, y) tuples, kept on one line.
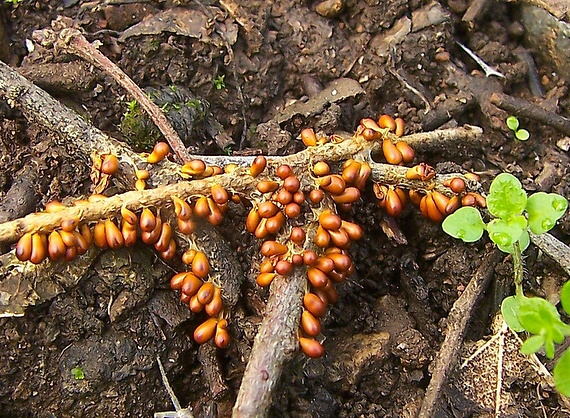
[(70, 40), (554, 248), (274, 344), (524, 108), (457, 322)]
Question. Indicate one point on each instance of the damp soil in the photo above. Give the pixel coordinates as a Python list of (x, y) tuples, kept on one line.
[(91, 351)]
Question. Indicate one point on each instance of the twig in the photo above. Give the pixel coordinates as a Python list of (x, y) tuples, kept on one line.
[(178, 412), (237, 182), (274, 344), (457, 322), (554, 248), (452, 107), (414, 90), (489, 71), (526, 109), (70, 40)]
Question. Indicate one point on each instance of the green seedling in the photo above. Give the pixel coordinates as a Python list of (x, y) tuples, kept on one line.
[(513, 124), (141, 136), (540, 318), (77, 373), (536, 316), (219, 82), (514, 215)]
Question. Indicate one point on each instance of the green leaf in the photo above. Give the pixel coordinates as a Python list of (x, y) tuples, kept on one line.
[(524, 241), (561, 373), (565, 297), (513, 123), (509, 309), (532, 344), (540, 317), (77, 373), (544, 209), (506, 197), (505, 233), (465, 223), (537, 314), (522, 135), (549, 348)]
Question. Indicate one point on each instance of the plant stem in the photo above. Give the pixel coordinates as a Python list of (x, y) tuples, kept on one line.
[(517, 269)]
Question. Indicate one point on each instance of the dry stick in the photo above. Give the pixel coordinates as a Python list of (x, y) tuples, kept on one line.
[(70, 40), (237, 182), (524, 108), (457, 321), (80, 46), (554, 248), (240, 182), (274, 345)]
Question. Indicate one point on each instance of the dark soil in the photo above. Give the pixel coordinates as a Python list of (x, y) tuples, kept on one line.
[(243, 70)]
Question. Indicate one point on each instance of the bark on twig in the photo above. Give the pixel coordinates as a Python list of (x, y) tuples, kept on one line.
[(21, 198), (274, 344), (524, 108), (457, 322), (240, 181), (554, 248)]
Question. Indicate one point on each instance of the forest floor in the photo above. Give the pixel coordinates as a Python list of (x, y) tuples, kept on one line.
[(242, 64)]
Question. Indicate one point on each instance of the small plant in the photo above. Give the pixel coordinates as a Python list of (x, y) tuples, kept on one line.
[(507, 202), (219, 82), (13, 2), (514, 214), (77, 373), (141, 135), (513, 124)]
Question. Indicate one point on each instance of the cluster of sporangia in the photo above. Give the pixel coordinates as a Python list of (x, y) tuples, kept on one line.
[(282, 214)]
